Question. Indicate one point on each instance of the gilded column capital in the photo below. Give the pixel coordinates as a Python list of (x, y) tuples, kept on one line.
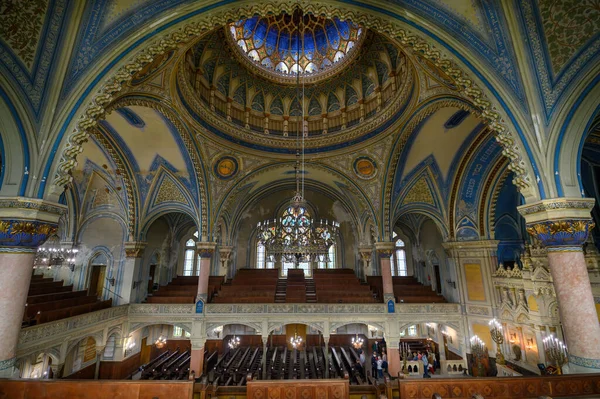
[(385, 249), (135, 249), (26, 223), (559, 223), (225, 251), (365, 251), (206, 249)]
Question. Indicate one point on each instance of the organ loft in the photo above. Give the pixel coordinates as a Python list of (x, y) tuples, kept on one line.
[(294, 198)]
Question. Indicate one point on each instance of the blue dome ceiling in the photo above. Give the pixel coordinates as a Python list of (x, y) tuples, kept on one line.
[(288, 43)]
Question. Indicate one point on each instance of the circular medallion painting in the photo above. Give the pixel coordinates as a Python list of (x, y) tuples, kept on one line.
[(365, 167), (226, 167)]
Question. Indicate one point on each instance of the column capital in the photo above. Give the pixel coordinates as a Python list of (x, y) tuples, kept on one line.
[(206, 249), (365, 251), (225, 251), (198, 343), (26, 223), (560, 222), (134, 249), (385, 249)]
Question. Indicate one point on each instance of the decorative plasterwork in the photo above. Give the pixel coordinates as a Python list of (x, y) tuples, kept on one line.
[(169, 192), (31, 31), (560, 51), (21, 25), (419, 193), (398, 148), (188, 142), (95, 108), (313, 144)]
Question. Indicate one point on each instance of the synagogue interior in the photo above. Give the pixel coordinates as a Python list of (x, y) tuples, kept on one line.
[(299, 198)]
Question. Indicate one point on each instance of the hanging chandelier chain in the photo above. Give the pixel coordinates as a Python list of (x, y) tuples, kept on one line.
[(296, 237)]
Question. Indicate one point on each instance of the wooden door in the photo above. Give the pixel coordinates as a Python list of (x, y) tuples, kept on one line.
[(98, 275), (145, 352), (438, 279), (151, 278)]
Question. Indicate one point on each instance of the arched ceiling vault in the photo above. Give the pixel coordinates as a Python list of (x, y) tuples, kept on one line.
[(405, 37), (277, 176)]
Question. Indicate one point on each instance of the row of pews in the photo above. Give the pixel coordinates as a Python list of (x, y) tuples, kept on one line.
[(249, 286), (183, 289), (237, 366), (49, 300), (265, 286), (169, 365), (341, 286), (406, 290)]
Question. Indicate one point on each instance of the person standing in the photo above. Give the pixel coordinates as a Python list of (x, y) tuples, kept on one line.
[(425, 366), (362, 358), (374, 365), (379, 367)]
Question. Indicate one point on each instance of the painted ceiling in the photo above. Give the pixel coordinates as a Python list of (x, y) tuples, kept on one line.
[(220, 109), (292, 44)]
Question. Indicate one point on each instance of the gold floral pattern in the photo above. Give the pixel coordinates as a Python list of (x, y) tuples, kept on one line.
[(20, 26), (568, 25)]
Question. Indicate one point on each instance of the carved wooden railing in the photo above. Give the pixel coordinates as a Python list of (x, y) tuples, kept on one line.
[(574, 385)]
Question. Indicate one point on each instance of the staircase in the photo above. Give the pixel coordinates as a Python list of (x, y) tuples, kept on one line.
[(280, 291), (311, 292), (296, 291)]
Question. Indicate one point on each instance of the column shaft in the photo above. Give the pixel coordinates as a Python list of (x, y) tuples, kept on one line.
[(576, 303), (562, 225), (393, 359), (15, 272), (203, 278), (205, 251), (197, 361)]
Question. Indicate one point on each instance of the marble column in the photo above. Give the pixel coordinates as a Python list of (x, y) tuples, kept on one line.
[(393, 356), (205, 252), (562, 225), (197, 357), (326, 351), (25, 224), (385, 251), (134, 251), (263, 362)]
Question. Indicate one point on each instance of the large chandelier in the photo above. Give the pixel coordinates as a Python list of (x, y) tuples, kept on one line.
[(161, 342), (51, 256), (296, 237), (296, 340), (234, 342), (357, 342)]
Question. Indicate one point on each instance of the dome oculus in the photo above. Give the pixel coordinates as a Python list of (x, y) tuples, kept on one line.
[(291, 43)]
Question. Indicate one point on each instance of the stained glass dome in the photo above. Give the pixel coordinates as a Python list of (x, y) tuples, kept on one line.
[(288, 43)]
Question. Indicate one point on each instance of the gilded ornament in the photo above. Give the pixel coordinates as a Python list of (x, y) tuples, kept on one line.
[(24, 228), (46, 229), (4, 226)]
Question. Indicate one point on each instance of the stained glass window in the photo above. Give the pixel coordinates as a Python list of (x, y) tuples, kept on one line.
[(288, 43)]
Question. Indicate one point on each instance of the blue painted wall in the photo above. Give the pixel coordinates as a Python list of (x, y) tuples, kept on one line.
[(509, 225)]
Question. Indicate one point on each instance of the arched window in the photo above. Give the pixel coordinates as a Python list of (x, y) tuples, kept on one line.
[(331, 263), (191, 261), (327, 262), (260, 256), (398, 259)]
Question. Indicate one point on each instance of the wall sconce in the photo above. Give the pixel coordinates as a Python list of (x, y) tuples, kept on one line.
[(136, 284), (218, 331), (373, 331), (529, 345), (111, 281), (451, 283)]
